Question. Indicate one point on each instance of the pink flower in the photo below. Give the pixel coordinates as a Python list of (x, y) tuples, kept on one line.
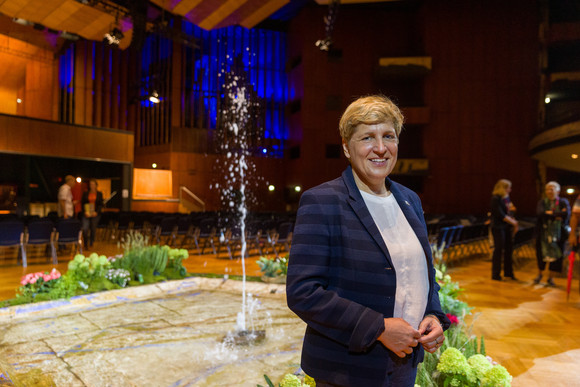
[(453, 318)]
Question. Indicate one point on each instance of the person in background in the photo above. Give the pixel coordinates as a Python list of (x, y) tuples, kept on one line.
[(92, 207), (553, 214), (360, 271), (503, 228), (66, 205), (574, 222)]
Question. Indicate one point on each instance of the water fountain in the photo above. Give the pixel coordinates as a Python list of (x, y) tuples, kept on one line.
[(238, 120)]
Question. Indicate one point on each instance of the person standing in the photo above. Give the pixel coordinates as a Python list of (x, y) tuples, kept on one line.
[(92, 205), (553, 214), (66, 206), (360, 270), (503, 228)]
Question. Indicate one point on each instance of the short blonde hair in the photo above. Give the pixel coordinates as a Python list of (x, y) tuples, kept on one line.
[(500, 188), (554, 184), (370, 110)]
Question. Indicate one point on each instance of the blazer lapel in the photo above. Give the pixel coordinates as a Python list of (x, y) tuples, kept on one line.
[(361, 211)]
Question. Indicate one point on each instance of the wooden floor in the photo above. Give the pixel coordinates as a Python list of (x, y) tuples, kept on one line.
[(530, 329)]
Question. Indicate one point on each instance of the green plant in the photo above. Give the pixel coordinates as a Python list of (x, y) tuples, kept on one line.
[(273, 267)]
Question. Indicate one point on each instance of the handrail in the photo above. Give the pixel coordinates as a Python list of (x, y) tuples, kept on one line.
[(192, 195)]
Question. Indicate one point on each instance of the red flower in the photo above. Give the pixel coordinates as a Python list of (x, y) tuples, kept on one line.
[(453, 318)]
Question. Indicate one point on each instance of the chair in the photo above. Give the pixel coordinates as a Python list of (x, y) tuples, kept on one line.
[(167, 228), (40, 232), (69, 232), (283, 237), (12, 235)]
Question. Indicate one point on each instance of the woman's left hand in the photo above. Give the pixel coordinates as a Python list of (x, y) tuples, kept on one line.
[(431, 334)]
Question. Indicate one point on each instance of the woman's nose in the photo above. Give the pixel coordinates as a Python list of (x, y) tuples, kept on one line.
[(380, 146)]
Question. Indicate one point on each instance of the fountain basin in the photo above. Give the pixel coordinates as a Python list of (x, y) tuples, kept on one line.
[(167, 334)]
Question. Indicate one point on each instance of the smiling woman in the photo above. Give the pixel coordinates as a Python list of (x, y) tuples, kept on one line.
[(360, 272)]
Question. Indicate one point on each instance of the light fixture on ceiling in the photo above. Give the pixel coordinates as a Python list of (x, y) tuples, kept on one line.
[(22, 22), (329, 20), (69, 35), (154, 97), (113, 37)]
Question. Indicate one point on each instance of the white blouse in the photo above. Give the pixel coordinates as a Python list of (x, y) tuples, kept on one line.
[(406, 254)]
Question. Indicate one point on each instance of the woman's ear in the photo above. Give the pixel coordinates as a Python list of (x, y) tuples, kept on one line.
[(345, 148)]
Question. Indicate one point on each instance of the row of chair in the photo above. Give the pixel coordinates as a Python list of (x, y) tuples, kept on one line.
[(206, 232), (38, 232)]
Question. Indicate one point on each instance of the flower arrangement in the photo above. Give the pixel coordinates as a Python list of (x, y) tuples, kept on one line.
[(476, 371), (37, 283), (291, 380), (120, 277)]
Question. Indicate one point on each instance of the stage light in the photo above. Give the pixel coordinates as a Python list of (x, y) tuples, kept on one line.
[(271, 188), (69, 36), (264, 150), (22, 22), (154, 97), (113, 37)]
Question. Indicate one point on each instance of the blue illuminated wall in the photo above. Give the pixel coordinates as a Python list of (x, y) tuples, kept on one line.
[(262, 56)]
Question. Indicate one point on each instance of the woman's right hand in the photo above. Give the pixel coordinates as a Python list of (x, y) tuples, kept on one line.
[(399, 336)]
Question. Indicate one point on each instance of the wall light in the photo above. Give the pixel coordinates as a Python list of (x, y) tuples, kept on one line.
[(570, 191), (574, 156), (547, 100), (79, 179), (271, 188), (297, 188), (154, 165), (18, 100)]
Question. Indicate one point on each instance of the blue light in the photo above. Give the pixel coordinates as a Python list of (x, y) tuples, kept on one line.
[(264, 150)]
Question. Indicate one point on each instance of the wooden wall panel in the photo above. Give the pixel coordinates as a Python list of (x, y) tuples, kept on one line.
[(45, 138)]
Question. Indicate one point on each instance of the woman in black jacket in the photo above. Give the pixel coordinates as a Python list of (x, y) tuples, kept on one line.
[(503, 229)]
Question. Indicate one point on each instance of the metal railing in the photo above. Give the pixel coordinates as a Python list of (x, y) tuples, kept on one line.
[(185, 195)]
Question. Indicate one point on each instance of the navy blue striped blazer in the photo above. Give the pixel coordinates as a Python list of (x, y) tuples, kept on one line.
[(341, 282)]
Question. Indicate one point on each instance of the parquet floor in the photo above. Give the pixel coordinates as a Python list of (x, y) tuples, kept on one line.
[(530, 329)]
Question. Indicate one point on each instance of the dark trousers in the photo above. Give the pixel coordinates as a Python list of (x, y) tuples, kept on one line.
[(90, 230), (503, 243)]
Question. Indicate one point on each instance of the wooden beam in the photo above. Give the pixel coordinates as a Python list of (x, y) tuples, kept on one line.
[(262, 13), (185, 6), (221, 13)]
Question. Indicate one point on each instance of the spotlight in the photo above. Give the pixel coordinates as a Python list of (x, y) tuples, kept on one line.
[(20, 21), (323, 44), (69, 36), (113, 38), (154, 97)]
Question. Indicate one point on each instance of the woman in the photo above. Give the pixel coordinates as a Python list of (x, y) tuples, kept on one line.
[(503, 228), (360, 272), (553, 214), (92, 205)]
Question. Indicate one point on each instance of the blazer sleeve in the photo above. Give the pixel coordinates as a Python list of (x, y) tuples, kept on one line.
[(309, 292)]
